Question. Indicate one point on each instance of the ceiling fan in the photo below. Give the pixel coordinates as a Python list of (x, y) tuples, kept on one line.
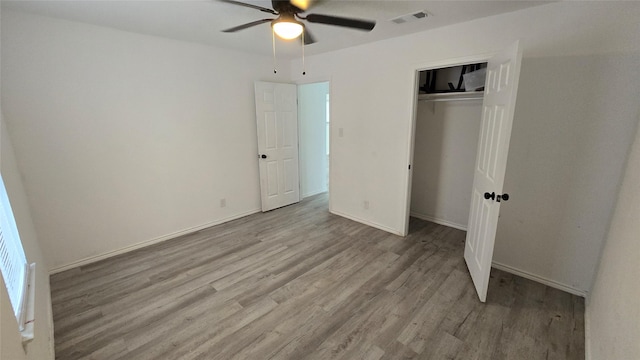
[(287, 25)]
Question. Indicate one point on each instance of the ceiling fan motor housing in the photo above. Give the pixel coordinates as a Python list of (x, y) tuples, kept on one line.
[(285, 7), (289, 16)]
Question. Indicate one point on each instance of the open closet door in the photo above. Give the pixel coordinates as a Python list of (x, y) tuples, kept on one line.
[(277, 124), (501, 87)]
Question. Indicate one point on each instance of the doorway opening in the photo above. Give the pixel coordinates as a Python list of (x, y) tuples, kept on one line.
[(314, 130), (448, 114)]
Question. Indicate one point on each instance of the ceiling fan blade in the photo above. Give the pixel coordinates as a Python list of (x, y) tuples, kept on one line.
[(247, 25), (263, 9), (308, 38), (341, 21)]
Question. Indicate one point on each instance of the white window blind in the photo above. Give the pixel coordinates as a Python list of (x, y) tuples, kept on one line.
[(13, 262)]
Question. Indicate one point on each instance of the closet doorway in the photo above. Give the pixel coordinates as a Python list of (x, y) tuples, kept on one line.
[(492, 148), (448, 116)]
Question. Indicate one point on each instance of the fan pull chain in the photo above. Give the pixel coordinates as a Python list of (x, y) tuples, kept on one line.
[(304, 72), (273, 41)]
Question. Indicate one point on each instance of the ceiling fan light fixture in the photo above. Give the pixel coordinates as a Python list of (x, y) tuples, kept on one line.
[(288, 28)]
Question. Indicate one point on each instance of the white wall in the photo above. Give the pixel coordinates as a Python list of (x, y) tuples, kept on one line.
[(372, 89), (444, 157), (613, 309), (574, 127), (42, 345), (10, 341), (312, 117), (125, 138)]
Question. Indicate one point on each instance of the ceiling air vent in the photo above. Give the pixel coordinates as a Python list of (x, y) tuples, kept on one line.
[(411, 17)]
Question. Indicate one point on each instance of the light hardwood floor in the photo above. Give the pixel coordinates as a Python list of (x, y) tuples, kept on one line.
[(300, 283)]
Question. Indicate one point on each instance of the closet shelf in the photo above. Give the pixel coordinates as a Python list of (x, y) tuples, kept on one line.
[(452, 96)]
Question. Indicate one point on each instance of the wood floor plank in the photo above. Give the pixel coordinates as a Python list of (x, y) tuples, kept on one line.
[(176, 328), (356, 336), (301, 283)]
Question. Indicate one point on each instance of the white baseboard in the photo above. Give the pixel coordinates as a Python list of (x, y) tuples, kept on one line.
[(540, 279), (368, 223), (587, 330), (108, 254), (439, 221)]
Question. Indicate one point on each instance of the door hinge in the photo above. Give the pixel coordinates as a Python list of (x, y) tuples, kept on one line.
[(409, 166)]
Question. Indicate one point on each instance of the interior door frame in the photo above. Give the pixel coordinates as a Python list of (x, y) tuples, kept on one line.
[(315, 80), (415, 76)]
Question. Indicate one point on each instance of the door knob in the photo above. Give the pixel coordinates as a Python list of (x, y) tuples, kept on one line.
[(491, 196), (504, 197), (263, 156)]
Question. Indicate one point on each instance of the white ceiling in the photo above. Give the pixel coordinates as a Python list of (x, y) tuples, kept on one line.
[(202, 21)]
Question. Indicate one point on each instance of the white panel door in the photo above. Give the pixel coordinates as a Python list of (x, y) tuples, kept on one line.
[(501, 87), (277, 121)]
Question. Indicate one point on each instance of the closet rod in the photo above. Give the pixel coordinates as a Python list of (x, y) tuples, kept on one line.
[(451, 96), (454, 99)]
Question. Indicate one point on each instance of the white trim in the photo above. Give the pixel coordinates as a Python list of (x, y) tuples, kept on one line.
[(414, 76), (439, 221), (540, 279), (368, 223), (108, 254), (587, 330), (308, 81), (49, 315), (450, 62), (29, 306), (331, 140), (22, 307)]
